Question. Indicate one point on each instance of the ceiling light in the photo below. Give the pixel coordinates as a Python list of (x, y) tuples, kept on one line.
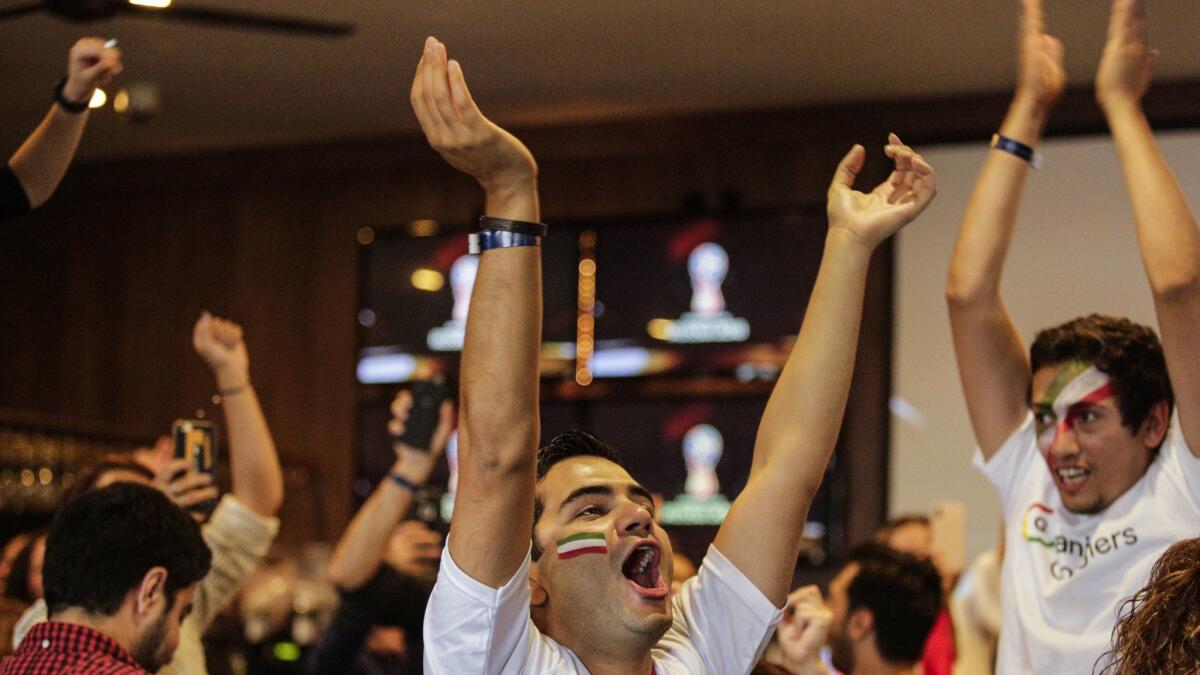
[(99, 98), (160, 4)]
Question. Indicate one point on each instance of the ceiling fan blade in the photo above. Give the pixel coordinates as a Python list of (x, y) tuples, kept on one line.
[(21, 10), (239, 19)]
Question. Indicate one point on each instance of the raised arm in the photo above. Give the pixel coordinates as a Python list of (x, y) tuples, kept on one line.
[(365, 543), (42, 160), (254, 464), (498, 429), (991, 358), (1166, 229), (799, 429)]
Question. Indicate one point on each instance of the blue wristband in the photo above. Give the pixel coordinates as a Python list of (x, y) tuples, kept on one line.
[(486, 240), (404, 482), (1018, 149)]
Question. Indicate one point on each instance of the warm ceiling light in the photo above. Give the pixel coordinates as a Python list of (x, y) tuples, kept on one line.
[(121, 101), (99, 98), (428, 280), (160, 4)]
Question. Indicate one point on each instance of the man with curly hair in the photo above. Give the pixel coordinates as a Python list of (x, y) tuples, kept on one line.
[(1093, 401)]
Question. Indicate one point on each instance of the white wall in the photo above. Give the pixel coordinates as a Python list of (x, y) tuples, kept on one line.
[(1074, 253)]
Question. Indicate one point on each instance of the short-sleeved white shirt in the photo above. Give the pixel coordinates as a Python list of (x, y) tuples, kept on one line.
[(721, 624), (1065, 574)]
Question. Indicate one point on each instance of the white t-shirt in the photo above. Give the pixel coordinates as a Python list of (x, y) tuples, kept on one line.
[(721, 624), (1065, 574)]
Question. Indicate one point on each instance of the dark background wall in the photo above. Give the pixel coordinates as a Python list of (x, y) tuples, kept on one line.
[(99, 289)]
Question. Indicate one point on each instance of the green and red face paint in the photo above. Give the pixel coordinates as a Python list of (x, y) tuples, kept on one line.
[(581, 543), (1077, 385)]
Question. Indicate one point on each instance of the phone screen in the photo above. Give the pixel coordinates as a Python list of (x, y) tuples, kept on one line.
[(196, 441)]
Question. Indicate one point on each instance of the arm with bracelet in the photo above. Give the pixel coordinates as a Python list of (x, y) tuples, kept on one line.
[(499, 426), (364, 545), (991, 359), (36, 168)]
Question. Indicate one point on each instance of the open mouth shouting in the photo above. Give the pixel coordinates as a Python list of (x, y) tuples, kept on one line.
[(641, 570)]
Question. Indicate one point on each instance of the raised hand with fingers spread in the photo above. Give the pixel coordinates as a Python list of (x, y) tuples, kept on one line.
[(874, 216)]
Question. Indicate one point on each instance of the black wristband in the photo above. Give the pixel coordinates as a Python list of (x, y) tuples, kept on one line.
[(514, 226), (1018, 149), (69, 106)]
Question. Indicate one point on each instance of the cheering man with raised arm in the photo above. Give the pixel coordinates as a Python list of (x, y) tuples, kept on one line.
[(1096, 475), (591, 593), (35, 169)]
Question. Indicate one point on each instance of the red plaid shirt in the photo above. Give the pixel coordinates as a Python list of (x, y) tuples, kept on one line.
[(54, 647)]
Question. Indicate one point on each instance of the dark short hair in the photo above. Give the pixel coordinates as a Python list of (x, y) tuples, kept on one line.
[(87, 479), (574, 443), (102, 544), (903, 593), (1128, 352)]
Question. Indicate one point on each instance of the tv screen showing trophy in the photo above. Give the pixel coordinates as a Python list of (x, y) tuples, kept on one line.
[(416, 291), (705, 294), (696, 454)]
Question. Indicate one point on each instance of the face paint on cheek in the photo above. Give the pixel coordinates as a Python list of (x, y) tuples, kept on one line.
[(581, 544)]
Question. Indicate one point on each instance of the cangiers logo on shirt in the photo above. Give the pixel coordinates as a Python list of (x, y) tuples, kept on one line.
[(1070, 555)]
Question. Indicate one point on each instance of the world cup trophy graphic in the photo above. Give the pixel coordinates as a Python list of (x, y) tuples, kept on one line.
[(702, 448), (449, 336), (708, 265)]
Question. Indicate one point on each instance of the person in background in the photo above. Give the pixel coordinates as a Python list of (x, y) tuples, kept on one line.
[(913, 534), (122, 567), (1091, 438), (882, 607), (975, 608), (1159, 627), (243, 526), (383, 567), (36, 168)]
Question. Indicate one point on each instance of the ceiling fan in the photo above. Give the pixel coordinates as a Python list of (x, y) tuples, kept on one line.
[(97, 10)]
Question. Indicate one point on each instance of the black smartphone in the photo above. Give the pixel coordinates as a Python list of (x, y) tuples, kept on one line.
[(428, 396), (196, 441)]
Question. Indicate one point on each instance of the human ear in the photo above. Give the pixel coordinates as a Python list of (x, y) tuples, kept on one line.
[(151, 591)]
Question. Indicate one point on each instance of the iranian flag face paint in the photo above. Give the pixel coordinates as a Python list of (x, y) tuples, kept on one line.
[(1077, 383), (580, 544)]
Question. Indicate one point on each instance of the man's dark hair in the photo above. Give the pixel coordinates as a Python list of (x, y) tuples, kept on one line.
[(102, 544), (574, 443), (903, 592), (1128, 352), (86, 481)]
